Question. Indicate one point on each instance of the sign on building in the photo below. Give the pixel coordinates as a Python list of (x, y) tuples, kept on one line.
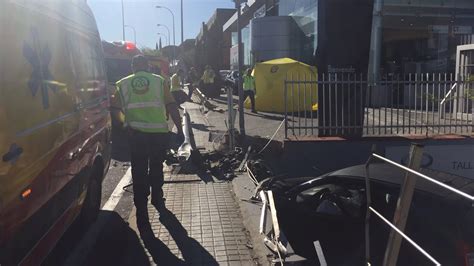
[(452, 159)]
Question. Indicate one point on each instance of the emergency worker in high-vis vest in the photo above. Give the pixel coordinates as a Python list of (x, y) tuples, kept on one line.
[(249, 88), (177, 89), (146, 100)]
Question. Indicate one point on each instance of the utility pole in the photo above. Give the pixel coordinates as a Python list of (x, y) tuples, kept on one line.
[(182, 27), (239, 79), (123, 23)]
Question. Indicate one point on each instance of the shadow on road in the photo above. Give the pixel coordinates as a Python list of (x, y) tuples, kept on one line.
[(117, 244), (120, 146), (205, 177), (223, 99), (109, 241), (192, 251), (267, 116), (200, 127)]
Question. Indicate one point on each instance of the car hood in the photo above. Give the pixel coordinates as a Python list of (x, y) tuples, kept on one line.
[(385, 173)]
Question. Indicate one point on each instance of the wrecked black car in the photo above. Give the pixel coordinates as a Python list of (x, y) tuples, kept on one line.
[(331, 209)]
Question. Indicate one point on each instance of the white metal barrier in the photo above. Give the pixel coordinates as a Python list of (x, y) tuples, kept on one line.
[(403, 206)]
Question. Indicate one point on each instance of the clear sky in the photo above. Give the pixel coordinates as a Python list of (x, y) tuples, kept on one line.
[(143, 15)]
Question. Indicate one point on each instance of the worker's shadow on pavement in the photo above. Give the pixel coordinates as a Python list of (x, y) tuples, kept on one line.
[(223, 99), (160, 253), (192, 251), (200, 127)]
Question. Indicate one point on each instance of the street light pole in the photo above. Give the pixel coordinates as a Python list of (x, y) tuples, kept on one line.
[(182, 32), (239, 79), (134, 33), (169, 38), (172, 15), (123, 22), (166, 27)]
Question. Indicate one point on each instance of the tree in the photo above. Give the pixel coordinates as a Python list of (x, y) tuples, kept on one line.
[(150, 51)]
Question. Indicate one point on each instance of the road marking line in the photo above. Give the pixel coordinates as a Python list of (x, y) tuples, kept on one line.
[(319, 252), (118, 191)]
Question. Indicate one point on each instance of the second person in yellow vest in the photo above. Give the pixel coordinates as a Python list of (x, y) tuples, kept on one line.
[(249, 88), (177, 89)]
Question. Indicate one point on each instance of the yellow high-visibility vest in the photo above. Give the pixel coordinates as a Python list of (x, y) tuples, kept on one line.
[(143, 100), (208, 76), (175, 84), (249, 83)]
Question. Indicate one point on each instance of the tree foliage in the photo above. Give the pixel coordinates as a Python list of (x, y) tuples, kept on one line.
[(150, 51)]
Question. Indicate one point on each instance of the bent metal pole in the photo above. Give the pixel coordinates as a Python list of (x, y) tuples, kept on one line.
[(239, 78)]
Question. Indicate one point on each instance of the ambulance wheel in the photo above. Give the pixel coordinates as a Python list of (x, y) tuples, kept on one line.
[(91, 206)]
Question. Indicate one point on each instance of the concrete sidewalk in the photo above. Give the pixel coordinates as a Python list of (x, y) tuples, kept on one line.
[(206, 227)]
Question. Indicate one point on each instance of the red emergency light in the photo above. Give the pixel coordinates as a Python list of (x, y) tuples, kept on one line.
[(130, 46)]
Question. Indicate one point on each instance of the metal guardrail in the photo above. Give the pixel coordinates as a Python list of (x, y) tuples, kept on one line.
[(347, 104), (403, 206)]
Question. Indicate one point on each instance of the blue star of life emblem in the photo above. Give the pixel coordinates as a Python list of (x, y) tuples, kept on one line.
[(39, 58)]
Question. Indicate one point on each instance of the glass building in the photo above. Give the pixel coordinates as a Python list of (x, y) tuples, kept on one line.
[(420, 36), (417, 36), (305, 14)]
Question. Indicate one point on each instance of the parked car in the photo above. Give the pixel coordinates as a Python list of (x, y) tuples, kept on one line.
[(224, 73), (331, 208), (230, 81), (54, 125)]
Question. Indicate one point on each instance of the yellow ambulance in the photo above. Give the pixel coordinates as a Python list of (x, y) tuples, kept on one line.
[(54, 124)]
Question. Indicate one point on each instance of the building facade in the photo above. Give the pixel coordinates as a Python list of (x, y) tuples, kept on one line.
[(212, 44), (415, 36)]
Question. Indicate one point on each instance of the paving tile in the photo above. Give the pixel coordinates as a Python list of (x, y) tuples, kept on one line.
[(208, 220), (221, 259), (232, 252)]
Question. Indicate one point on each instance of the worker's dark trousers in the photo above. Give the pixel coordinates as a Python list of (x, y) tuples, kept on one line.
[(180, 96), (251, 95), (148, 151), (190, 92)]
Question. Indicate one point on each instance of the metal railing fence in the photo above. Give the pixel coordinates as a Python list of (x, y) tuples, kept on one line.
[(346, 104)]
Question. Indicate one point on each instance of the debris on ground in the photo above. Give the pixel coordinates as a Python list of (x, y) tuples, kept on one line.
[(221, 165), (202, 100)]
